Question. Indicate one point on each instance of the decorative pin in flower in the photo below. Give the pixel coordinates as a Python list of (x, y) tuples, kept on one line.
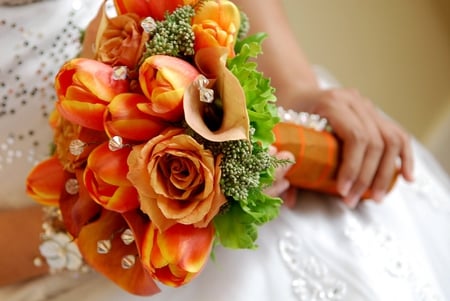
[(161, 142)]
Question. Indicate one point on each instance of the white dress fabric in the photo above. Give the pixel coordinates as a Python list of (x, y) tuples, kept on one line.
[(320, 250)]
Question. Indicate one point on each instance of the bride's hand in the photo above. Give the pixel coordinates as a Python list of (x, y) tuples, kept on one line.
[(281, 186), (372, 143)]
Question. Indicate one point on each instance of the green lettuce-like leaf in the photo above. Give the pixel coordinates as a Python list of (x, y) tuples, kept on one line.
[(235, 229), (259, 93), (245, 177)]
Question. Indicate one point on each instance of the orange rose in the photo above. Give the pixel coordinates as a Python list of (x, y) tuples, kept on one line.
[(163, 80), (84, 87), (177, 180), (216, 24), (177, 255), (122, 42)]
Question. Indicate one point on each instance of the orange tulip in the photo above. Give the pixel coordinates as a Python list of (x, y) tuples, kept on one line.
[(163, 80), (84, 87), (105, 178), (177, 255), (45, 182), (216, 24), (154, 8), (124, 119)]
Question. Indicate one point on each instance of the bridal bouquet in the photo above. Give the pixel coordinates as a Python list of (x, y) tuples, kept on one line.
[(161, 142)]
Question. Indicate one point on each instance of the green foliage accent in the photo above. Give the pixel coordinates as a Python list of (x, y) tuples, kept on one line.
[(173, 36), (245, 26), (259, 93), (235, 229), (247, 168)]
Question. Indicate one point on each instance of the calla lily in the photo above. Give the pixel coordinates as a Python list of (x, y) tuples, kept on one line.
[(235, 122), (124, 119), (154, 8), (105, 179), (216, 24), (84, 87), (131, 276), (163, 80), (176, 255), (46, 181)]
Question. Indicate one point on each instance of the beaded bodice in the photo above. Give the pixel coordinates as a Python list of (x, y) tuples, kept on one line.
[(36, 40)]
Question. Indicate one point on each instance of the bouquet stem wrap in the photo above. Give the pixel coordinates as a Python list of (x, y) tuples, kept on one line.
[(317, 157)]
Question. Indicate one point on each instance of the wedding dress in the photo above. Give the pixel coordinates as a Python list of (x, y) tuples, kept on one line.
[(320, 250)]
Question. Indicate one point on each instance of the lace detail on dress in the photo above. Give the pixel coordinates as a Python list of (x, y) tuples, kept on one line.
[(383, 250), (423, 186), (311, 278)]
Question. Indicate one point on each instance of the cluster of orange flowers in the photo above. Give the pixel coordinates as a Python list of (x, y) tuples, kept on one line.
[(123, 162)]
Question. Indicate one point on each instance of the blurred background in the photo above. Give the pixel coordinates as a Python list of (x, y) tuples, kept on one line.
[(396, 52)]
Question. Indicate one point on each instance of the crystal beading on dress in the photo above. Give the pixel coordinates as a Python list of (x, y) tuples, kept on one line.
[(33, 47)]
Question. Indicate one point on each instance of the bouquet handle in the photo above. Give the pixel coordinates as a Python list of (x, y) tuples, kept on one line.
[(317, 158)]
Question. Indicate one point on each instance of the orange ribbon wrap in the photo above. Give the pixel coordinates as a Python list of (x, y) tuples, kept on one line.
[(317, 157)]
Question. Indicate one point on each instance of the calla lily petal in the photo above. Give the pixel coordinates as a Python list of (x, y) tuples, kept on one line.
[(134, 279), (235, 124), (77, 209)]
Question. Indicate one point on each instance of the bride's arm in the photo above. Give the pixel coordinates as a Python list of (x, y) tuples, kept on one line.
[(371, 142), (19, 244)]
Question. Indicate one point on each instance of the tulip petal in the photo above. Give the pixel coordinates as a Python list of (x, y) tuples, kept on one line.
[(187, 246), (106, 180), (46, 181), (177, 254), (125, 119), (163, 80)]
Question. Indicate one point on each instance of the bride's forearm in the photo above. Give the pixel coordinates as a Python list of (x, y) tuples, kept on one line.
[(283, 59), (19, 243)]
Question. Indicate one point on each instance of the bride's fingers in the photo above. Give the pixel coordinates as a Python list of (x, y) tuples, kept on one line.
[(406, 157), (281, 184), (290, 197), (397, 143), (353, 133), (365, 112)]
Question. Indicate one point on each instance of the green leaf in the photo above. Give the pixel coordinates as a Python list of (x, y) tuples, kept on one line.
[(261, 207), (236, 229)]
